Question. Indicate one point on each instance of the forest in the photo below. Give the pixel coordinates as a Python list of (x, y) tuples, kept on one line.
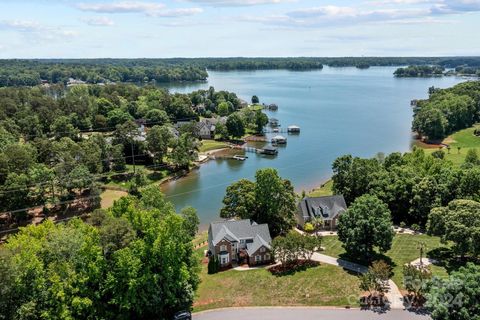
[(447, 110), (58, 145), (15, 72)]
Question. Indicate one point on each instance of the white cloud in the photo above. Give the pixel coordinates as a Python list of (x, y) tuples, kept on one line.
[(152, 9), (37, 32), (238, 3), (99, 21)]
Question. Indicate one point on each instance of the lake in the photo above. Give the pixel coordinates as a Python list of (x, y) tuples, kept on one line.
[(339, 110)]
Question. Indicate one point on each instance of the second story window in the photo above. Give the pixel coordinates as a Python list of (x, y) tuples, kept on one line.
[(223, 247)]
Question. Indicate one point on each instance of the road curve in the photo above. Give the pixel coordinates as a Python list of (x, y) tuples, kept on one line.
[(304, 313)]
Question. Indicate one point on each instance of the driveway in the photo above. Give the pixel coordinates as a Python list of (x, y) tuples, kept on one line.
[(304, 313)]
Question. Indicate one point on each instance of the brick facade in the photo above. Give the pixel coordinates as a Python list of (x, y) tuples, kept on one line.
[(266, 257)]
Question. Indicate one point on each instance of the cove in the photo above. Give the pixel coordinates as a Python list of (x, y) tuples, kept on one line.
[(340, 111)]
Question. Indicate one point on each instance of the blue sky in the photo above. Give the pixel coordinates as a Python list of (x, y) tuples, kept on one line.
[(219, 28)]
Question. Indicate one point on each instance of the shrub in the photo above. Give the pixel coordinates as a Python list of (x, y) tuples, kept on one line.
[(308, 227)]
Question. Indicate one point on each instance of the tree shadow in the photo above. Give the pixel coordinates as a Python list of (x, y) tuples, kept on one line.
[(447, 258)]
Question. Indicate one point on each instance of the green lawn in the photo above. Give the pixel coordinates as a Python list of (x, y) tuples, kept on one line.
[(324, 190), (208, 145), (465, 139), (324, 285), (153, 176), (404, 250)]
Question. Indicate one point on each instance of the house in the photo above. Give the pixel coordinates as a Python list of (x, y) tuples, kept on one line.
[(207, 126), (237, 241), (328, 208)]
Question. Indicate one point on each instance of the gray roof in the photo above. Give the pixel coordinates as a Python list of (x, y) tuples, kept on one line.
[(234, 230), (328, 207)]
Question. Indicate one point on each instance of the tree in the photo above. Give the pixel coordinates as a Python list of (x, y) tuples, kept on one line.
[(261, 120), (459, 222), (223, 109), (415, 280), (455, 298), (235, 125), (472, 157), (365, 225), (157, 117), (184, 151), (62, 127), (158, 140), (191, 220), (275, 200), (221, 130), (239, 200), (375, 280), (431, 123), (255, 100)]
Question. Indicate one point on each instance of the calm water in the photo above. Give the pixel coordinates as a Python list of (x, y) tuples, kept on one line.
[(340, 111)]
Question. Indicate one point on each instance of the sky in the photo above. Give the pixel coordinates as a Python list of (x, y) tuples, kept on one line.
[(233, 28)]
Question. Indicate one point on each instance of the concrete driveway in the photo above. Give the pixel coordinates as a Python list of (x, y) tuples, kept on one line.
[(304, 313)]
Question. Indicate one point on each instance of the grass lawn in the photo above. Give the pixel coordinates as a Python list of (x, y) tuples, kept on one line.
[(153, 176), (208, 145), (324, 285), (404, 250), (109, 196), (465, 139), (324, 190)]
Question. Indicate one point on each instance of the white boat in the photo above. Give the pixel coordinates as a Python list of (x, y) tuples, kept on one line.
[(279, 140)]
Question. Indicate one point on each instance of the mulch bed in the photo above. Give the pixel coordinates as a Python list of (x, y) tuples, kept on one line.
[(292, 267)]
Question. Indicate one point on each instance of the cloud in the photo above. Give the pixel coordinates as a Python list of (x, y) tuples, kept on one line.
[(37, 32), (238, 3), (458, 6), (99, 21), (152, 9)]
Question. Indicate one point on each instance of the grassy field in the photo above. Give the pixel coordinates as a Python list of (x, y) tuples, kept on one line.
[(324, 285), (465, 139), (324, 190), (109, 196), (404, 250), (208, 145)]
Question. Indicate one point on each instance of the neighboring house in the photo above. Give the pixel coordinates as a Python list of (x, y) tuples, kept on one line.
[(328, 208), (237, 241), (207, 126)]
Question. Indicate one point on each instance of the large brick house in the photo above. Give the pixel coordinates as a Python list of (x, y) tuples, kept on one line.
[(328, 209), (237, 241)]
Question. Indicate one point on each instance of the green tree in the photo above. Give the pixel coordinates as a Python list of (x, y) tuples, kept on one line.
[(223, 109), (235, 125), (415, 279), (184, 151), (191, 220), (364, 226), (455, 298), (261, 120), (255, 100), (239, 200), (62, 127), (159, 138), (472, 157), (459, 222), (275, 201)]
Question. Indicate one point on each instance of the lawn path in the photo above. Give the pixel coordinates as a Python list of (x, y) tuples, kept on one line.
[(394, 295)]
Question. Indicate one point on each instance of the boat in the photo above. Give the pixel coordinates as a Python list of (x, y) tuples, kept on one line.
[(269, 150), (239, 157), (276, 130)]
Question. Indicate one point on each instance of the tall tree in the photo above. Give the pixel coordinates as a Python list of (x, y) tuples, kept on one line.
[(364, 226)]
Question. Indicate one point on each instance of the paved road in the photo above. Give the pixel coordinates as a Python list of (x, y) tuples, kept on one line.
[(289, 313)]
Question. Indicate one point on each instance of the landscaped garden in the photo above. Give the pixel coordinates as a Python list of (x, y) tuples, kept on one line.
[(404, 250), (324, 285)]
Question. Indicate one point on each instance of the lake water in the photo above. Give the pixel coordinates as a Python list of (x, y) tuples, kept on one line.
[(339, 110)]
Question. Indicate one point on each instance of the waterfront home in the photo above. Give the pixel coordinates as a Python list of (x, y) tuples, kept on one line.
[(328, 209), (279, 139), (239, 242)]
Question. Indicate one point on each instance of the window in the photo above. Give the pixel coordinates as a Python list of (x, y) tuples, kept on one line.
[(224, 260), (258, 258), (242, 241), (223, 248), (262, 249), (267, 256)]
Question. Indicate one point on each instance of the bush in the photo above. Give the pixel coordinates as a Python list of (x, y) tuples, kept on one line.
[(308, 227)]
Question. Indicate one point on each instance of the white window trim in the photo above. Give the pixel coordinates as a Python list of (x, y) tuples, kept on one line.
[(258, 258), (223, 248)]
